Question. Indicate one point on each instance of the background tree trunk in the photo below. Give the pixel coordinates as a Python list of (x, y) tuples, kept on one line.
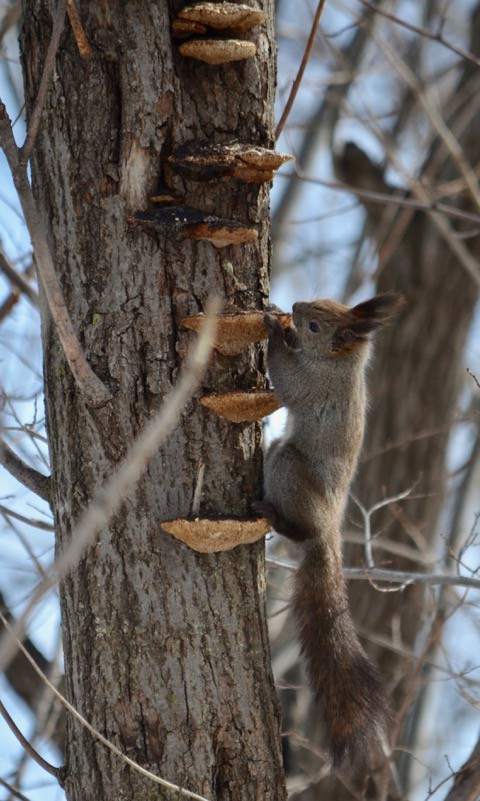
[(166, 650)]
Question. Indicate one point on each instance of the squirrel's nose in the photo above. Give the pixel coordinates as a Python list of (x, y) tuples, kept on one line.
[(297, 309)]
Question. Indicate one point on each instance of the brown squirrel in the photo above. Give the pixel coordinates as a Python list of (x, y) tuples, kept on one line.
[(317, 367)]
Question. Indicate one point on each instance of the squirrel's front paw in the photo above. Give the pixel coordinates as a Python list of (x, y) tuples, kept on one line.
[(273, 326)]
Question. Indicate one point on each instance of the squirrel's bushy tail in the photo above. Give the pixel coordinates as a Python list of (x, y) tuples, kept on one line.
[(346, 684)]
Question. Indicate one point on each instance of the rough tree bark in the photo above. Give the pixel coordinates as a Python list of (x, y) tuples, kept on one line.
[(166, 650)]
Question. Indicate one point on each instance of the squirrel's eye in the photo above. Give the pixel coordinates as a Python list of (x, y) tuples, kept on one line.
[(314, 327)]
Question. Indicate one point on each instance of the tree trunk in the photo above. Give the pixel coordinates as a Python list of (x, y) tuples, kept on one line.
[(166, 650)]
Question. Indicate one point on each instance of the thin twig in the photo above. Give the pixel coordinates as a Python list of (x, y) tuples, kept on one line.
[(82, 42), (111, 495), (404, 577), (91, 729), (8, 304), (387, 545), (34, 523), (474, 377), (466, 785), (47, 710), (423, 32), (436, 211), (18, 280), (393, 576), (95, 392), (13, 790), (426, 194), (27, 746), (301, 69), (197, 495), (25, 543), (25, 474), (423, 192), (420, 663), (438, 123), (34, 122), (396, 198)]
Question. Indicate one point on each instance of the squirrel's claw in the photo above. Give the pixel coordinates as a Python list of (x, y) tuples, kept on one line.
[(267, 510), (273, 325)]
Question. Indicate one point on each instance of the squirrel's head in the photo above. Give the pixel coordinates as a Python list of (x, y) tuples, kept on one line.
[(327, 329)]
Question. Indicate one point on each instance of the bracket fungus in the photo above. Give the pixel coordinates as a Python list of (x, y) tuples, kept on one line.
[(182, 28), (205, 162), (165, 198), (242, 407), (236, 330), (196, 224), (234, 17), (217, 51), (210, 536)]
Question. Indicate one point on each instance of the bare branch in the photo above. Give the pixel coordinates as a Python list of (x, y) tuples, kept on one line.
[(301, 69), (466, 786), (393, 576), (111, 495), (397, 198), (92, 730), (28, 748), (405, 577), (323, 118), (25, 543), (18, 280), (387, 545), (8, 304), (423, 32), (95, 392), (29, 522), (27, 685), (26, 149), (26, 475), (10, 18), (13, 790), (438, 123), (19, 674), (424, 194), (474, 377)]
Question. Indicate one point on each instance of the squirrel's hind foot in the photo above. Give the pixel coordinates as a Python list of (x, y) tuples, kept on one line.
[(280, 524)]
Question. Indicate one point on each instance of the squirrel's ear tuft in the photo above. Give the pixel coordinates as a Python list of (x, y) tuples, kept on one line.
[(365, 318), (380, 308)]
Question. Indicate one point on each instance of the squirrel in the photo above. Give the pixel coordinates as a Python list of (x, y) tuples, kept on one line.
[(317, 367)]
